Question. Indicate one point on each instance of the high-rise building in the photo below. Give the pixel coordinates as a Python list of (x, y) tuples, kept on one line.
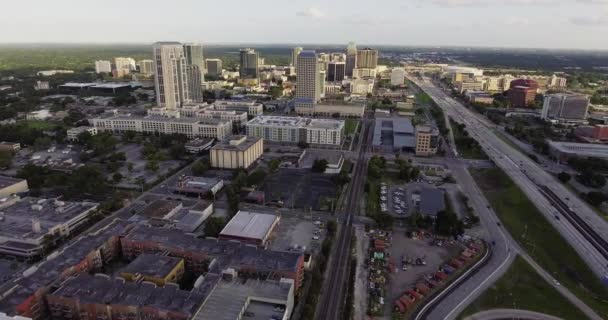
[(294, 55), (321, 83), (522, 92), (351, 58), (194, 57), (565, 107), (103, 66), (338, 56), (171, 75), (367, 58), (126, 64), (214, 67), (146, 66), (336, 70), (397, 76), (249, 64), (195, 83), (307, 82)]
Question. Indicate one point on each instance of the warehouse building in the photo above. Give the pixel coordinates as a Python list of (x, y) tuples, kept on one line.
[(394, 135), (11, 186), (297, 129), (237, 152), (250, 227)]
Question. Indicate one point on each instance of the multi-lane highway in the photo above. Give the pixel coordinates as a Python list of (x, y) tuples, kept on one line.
[(530, 177)]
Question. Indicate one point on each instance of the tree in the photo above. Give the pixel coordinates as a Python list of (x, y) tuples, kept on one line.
[(199, 167), (383, 220), (117, 177), (6, 158), (130, 166), (319, 165), (213, 226), (42, 143), (564, 177), (447, 224), (152, 165), (256, 178), (177, 151), (331, 227), (595, 198), (274, 165)]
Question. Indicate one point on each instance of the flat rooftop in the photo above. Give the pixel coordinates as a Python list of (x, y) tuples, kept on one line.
[(326, 123), (244, 143), (157, 118), (151, 265), (159, 208), (431, 201), (581, 149), (394, 132), (278, 121), (251, 225), (18, 217), (229, 298), (8, 181)]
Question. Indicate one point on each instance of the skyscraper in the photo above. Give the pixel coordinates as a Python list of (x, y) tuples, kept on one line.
[(307, 82), (102, 66), (249, 64), (338, 56), (195, 83), (214, 67), (294, 55), (367, 58), (171, 81), (336, 71), (146, 66), (194, 57), (351, 58)]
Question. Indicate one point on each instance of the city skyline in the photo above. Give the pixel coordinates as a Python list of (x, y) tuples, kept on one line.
[(511, 24)]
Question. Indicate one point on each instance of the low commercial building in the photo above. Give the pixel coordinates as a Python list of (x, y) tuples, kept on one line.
[(479, 97), (251, 107), (198, 186), (11, 186), (104, 89), (472, 85), (566, 150), (427, 140), (6, 146), (157, 269), (153, 124), (335, 159), (344, 110), (198, 145), (250, 227), (297, 129), (28, 223), (394, 135), (188, 220), (565, 108), (237, 152), (73, 133)]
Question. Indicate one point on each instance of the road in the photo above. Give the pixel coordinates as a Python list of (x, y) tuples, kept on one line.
[(331, 302), (498, 314), (505, 248), (529, 176)]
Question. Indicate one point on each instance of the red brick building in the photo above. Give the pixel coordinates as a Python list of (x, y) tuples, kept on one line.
[(522, 92)]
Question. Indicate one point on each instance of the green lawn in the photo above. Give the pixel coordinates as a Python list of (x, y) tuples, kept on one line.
[(531, 230), (373, 197), (522, 288), (350, 126), (39, 124)]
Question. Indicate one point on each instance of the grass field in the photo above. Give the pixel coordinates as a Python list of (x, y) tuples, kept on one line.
[(350, 126), (531, 230), (39, 124), (522, 288)]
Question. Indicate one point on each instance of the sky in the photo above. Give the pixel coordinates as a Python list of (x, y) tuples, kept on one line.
[(568, 24)]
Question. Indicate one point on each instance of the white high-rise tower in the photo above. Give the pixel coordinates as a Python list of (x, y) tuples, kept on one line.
[(171, 75)]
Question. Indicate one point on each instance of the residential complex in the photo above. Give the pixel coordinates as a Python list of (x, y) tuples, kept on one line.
[(236, 152), (297, 129)]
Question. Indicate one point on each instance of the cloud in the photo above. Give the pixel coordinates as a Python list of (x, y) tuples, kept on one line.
[(490, 3), (311, 12), (589, 20), (517, 21)]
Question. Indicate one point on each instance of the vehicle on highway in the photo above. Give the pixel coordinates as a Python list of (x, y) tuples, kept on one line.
[(315, 237)]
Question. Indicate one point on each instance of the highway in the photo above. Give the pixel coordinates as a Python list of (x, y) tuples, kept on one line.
[(499, 314), (333, 294), (529, 176)]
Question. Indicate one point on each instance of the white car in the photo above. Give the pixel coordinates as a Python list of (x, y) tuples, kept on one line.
[(315, 238)]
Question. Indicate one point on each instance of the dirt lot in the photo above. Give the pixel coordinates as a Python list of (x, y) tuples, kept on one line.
[(433, 255)]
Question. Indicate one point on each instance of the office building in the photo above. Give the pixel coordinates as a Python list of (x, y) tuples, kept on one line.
[(294, 55), (251, 107), (566, 150), (146, 67), (195, 86), (397, 77), (250, 227), (249, 60), (363, 73), (124, 65), (565, 107), (171, 75), (336, 71), (427, 140), (522, 92), (394, 135), (308, 91), (237, 152), (362, 86), (103, 66), (194, 57), (351, 58), (214, 67), (73, 133), (153, 124), (367, 58), (297, 129), (12, 186)]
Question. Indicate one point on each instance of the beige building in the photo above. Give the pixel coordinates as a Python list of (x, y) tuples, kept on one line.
[(237, 152), (72, 134), (342, 110), (427, 140), (10, 186)]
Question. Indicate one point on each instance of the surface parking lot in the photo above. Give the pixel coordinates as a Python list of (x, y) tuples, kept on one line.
[(299, 188), (297, 234)]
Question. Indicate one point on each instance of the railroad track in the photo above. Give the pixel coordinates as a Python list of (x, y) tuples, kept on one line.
[(337, 274), (595, 239)]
